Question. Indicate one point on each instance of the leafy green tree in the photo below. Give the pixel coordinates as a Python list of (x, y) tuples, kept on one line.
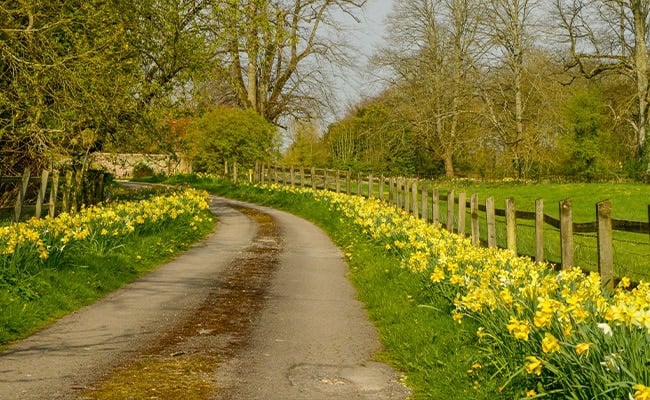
[(227, 134), (306, 148), (372, 139), (586, 123)]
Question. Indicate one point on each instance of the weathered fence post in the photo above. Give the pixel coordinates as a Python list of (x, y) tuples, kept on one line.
[(476, 239), (435, 206), (66, 191), (54, 191), (407, 196), (425, 202), (235, 174), (371, 186), (262, 174), (451, 196), (381, 187), (391, 192), (566, 233), (359, 184), (491, 222), (303, 181), (462, 210), (41, 194), (292, 176), (414, 193), (22, 191), (605, 245), (511, 225), (539, 230), (99, 192), (225, 168), (338, 180), (348, 182), (250, 175)]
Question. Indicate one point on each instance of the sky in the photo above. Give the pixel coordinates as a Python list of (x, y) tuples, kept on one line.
[(366, 36)]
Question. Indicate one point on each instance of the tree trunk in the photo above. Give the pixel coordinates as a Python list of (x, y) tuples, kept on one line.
[(641, 63)]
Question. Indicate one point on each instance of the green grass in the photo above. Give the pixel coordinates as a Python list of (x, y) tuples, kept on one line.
[(83, 277), (417, 332), (629, 202)]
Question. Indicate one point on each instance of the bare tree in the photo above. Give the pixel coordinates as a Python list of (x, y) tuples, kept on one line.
[(610, 37), (433, 48), (272, 52), (508, 28)]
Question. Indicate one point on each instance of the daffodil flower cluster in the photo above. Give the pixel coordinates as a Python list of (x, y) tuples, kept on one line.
[(26, 246), (559, 332)]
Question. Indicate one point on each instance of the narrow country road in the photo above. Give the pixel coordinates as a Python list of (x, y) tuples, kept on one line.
[(261, 309)]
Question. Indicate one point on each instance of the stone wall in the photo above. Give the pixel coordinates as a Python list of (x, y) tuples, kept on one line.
[(121, 165)]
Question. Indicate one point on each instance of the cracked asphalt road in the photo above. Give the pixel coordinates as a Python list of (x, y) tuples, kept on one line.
[(263, 306)]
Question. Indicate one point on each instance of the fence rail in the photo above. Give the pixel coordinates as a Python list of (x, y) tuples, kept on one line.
[(67, 194), (427, 203)]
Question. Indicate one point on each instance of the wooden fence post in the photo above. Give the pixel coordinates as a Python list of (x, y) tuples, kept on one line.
[(491, 222), (338, 180), (303, 181), (435, 206), (380, 187), (22, 191), (76, 191), (359, 184), (511, 225), (425, 202), (450, 210), (41, 194), (235, 174), (407, 196), (99, 192), (371, 186), (391, 191), (605, 245), (415, 205), (262, 174), (539, 230), (566, 233), (225, 168), (54, 191), (462, 210), (476, 239)]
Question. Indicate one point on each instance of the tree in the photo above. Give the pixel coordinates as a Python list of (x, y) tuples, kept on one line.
[(433, 49), (372, 138), (76, 75), (609, 37), (227, 134), (508, 27), (586, 115), (272, 53), (306, 146)]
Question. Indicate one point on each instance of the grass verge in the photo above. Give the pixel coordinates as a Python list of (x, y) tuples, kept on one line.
[(82, 277)]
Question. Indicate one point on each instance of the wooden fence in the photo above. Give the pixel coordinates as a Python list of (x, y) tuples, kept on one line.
[(64, 192), (424, 202)]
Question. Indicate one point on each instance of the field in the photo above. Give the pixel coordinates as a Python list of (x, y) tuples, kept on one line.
[(630, 201)]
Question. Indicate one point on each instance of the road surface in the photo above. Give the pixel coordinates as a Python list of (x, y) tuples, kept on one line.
[(261, 309)]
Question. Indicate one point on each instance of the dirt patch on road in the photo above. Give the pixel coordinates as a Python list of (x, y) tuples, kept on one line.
[(181, 363)]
